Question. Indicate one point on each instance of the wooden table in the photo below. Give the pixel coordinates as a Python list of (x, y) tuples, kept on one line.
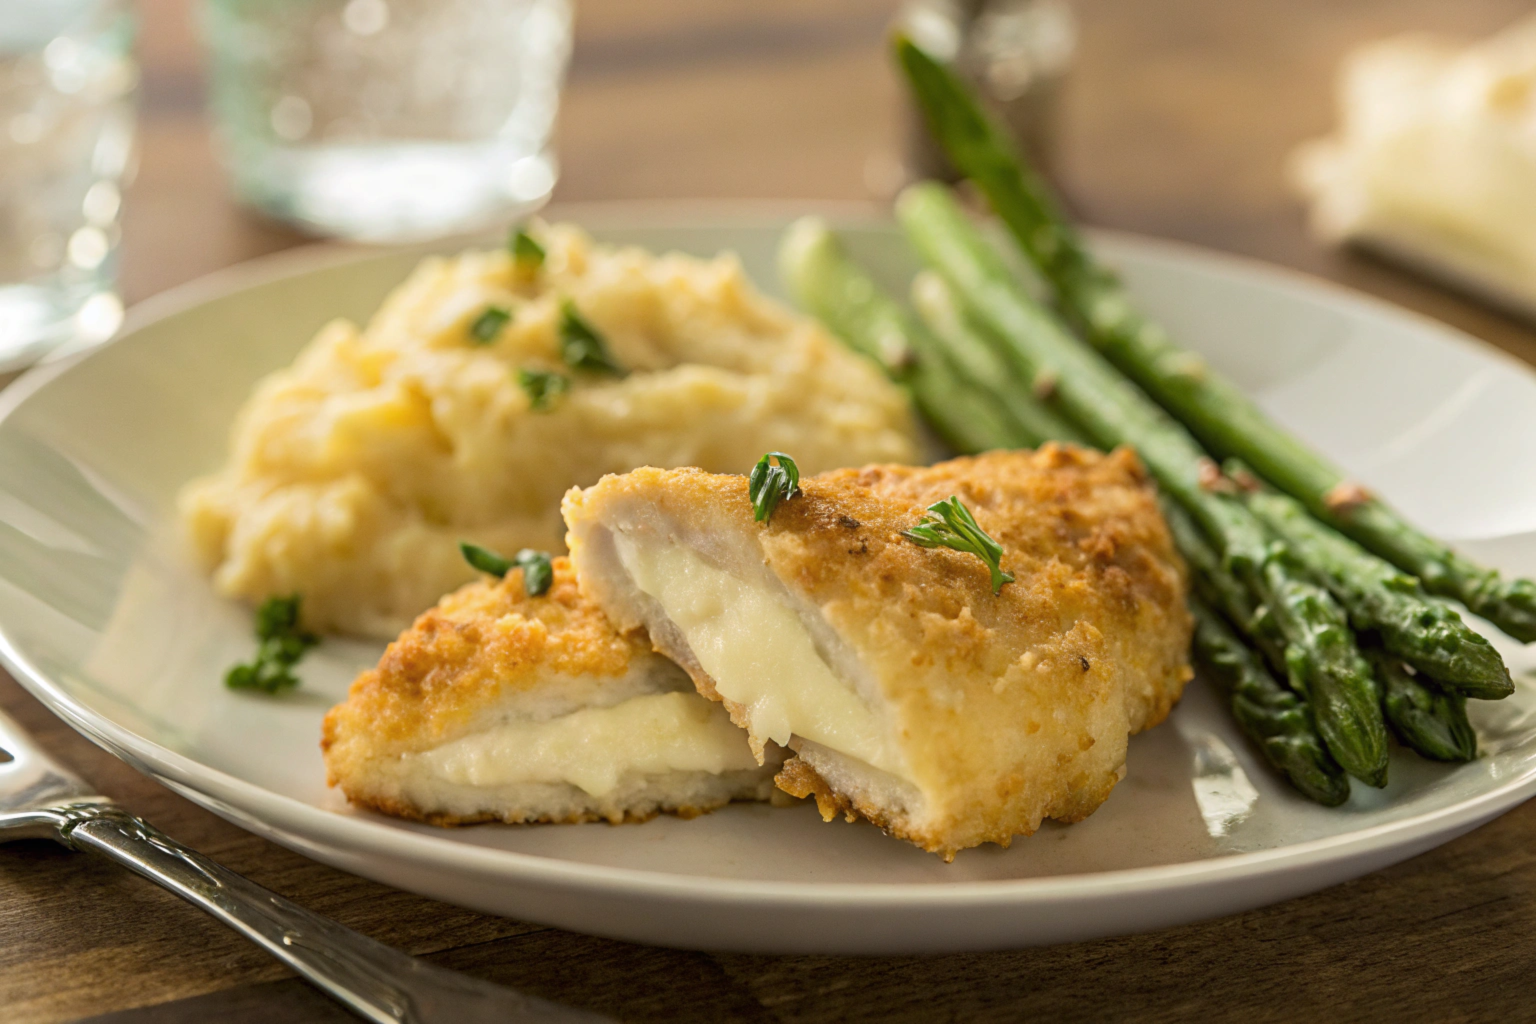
[(1177, 124)]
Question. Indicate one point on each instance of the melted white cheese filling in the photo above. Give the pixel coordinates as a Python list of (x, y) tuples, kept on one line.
[(594, 748), (759, 654)]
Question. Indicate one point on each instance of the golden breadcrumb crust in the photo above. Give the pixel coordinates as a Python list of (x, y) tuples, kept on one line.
[(479, 643), (1010, 708)]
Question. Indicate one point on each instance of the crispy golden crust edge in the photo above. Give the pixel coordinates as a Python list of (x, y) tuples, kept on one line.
[(799, 779), (401, 809)]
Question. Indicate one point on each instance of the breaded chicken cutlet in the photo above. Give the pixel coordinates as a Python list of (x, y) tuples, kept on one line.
[(497, 706), (911, 693)]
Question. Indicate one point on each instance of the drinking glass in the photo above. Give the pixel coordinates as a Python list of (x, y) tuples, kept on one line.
[(388, 120), (67, 86)]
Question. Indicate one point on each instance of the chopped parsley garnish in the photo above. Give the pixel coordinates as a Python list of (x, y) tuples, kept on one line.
[(769, 484), (281, 643), (538, 574), (527, 253), (542, 386), (949, 524), (582, 347), (489, 324)]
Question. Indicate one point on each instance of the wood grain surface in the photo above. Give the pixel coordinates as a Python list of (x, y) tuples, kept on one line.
[(1177, 122)]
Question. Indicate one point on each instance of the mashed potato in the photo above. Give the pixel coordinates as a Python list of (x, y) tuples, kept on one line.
[(356, 471)]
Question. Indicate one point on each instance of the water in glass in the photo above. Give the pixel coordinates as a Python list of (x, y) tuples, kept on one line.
[(67, 82), (388, 120)]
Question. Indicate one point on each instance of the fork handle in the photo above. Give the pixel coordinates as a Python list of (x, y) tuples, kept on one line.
[(374, 981)]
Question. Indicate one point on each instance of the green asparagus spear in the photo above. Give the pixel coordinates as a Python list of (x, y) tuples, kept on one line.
[(1428, 718), (1297, 751), (975, 357), (1415, 627), (837, 292), (1091, 393), (1423, 716), (1272, 716), (1325, 664), (1219, 589), (1214, 408), (1223, 591)]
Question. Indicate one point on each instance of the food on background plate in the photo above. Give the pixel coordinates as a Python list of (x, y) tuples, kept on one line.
[(1433, 161), (498, 705), (487, 385), (918, 687)]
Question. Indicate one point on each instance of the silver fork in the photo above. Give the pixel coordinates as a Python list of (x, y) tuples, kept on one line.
[(41, 800)]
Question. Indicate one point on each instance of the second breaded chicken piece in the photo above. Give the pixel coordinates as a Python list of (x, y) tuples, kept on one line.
[(497, 706), (912, 694)]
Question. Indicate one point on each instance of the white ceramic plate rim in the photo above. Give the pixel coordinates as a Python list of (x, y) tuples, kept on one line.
[(260, 809)]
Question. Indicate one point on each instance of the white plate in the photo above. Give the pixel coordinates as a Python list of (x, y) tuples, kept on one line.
[(102, 618)]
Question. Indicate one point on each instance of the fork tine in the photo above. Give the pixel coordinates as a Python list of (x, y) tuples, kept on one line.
[(32, 780), (8, 734), (15, 741)]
